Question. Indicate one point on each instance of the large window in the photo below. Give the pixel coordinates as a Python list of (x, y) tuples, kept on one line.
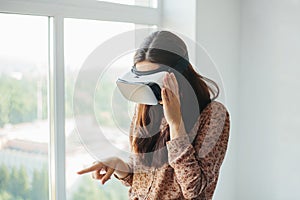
[(43, 41), (24, 125), (82, 37)]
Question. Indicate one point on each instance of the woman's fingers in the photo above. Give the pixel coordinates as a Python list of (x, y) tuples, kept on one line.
[(96, 175), (175, 83), (102, 170), (94, 167), (97, 169), (107, 175), (165, 97), (170, 83), (167, 81)]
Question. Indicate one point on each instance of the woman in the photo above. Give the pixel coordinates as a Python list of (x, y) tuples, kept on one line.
[(177, 146)]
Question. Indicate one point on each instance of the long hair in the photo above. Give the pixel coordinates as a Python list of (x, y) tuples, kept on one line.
[(164, 47)]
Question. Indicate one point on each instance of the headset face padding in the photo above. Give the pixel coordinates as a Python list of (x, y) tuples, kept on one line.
[(156, 90)]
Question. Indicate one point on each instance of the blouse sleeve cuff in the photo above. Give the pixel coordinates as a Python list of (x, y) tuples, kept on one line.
[(177, 147), (126, 178)]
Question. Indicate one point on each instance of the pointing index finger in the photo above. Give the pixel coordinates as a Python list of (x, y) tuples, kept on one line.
[(91, 168)]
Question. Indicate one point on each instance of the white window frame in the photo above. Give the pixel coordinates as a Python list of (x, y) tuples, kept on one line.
[(57, 11)]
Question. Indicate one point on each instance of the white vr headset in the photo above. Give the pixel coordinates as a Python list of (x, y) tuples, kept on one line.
[(144, 87)]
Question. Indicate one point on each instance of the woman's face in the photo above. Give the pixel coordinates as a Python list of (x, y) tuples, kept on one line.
[(146, 66)]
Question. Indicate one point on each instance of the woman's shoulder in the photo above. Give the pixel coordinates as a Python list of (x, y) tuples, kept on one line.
[(214, 108), (212, 124), (215, 111)]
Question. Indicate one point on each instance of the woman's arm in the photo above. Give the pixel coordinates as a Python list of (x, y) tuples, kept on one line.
[(125, 176), (197, 167), (113, 166)]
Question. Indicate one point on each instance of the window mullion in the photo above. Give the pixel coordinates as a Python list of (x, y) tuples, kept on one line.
[(57, 109)]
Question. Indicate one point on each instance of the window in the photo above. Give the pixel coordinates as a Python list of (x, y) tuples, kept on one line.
[(45, 40), (24, 125), (81, 38)]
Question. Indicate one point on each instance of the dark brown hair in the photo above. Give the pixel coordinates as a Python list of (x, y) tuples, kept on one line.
[(164, 47)]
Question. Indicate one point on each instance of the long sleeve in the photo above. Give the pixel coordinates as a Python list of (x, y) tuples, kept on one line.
[(127, 181), (196, 163)]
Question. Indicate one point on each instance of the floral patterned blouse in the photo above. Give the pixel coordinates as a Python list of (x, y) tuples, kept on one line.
[(194, 162)]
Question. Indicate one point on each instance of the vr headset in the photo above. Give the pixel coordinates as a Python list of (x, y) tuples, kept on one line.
[(144, 87)]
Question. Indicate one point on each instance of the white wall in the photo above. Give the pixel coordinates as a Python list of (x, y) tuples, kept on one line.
[(256, 46), (268, 136), (218, 30), (179, 16)]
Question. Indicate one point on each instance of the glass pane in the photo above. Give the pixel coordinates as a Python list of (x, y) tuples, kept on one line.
[(82, 37), (24, 126), (145, 3)]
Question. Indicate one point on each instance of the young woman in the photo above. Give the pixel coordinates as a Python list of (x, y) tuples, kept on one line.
[(177, 146)]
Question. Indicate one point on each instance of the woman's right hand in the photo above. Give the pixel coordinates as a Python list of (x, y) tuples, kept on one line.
[(102, 170)]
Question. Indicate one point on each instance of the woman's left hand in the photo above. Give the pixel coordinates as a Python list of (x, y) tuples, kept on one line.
[(171, 101)]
